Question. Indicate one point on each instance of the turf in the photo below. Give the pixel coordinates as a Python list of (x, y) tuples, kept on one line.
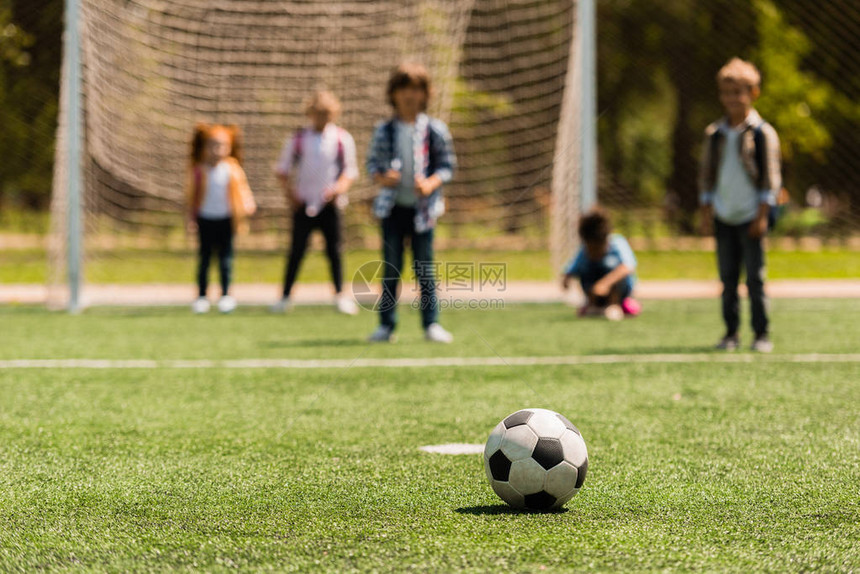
[(701, 466), (142, 266)]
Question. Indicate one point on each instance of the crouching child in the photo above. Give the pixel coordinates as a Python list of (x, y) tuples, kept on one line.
[(606, 268)]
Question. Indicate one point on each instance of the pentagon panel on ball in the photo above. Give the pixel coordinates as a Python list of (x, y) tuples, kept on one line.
[(535, 459)]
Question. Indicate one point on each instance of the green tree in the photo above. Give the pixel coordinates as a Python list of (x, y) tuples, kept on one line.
[(825, 94), (793, 99), (30, 55), (657, 92)]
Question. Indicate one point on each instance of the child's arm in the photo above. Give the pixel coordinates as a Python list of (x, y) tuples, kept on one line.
[(573, 268), (427, 185), (627, 267), (444, 159), (380, 172), (390, 178), (246, 196), (350, 169), (608, 281), (341, 186), (771, 182), (284, 169)]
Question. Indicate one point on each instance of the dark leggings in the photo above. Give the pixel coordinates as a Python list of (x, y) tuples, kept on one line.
[(215, 234), (329, 222)]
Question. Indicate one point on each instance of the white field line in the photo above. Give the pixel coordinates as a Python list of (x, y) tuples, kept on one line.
[(453, 448), (426, 362)]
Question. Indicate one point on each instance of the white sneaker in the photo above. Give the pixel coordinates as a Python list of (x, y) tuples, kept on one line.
[(345, 305), (728, 343), (614, 313), (226, 304), (200, 306), (382, 334), (282, 306), (437, 334), (762, 344)]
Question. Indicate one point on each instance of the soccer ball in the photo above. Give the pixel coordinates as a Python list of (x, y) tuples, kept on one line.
[(536, 459)]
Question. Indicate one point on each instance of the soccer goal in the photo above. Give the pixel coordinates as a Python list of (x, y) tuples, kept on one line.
[(513, 78)]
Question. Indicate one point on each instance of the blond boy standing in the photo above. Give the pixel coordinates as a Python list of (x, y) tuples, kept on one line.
[(738, 180)]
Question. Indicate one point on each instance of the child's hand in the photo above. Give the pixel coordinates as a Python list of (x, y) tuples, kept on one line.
[(427, 185), (758, 227), (335, 189), (565, 282), (190, 226), (601, 289), (390, 178)]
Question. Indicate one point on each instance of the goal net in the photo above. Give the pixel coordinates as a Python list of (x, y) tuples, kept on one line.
[(504, 79)]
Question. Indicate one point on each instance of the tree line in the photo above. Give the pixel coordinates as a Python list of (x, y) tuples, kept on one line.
[(656, 93)]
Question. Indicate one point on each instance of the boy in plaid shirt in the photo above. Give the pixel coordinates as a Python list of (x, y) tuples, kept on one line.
[(411, 156)]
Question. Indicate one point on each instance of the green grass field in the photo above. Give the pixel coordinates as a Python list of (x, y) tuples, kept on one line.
[(142, 266), (696, 465)]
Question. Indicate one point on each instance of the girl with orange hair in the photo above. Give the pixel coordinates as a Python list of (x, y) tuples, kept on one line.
[(219, 203)]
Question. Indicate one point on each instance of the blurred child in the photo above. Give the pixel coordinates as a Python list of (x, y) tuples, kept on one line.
[(219, 202), (410, 157), (738, 180), (316, 169), (606, 268)]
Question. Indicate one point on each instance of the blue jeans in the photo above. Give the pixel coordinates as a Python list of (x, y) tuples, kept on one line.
[(399, 225), (735, 248)]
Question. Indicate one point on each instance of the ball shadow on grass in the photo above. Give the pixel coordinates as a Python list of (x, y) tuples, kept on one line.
[(496, 509)]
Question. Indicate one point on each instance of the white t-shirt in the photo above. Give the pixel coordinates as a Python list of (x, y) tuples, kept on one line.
[(735, 200), (216, 202), (404, 136), (318, 169)]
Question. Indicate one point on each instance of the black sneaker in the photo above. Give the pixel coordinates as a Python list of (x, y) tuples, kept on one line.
[(728, 343)]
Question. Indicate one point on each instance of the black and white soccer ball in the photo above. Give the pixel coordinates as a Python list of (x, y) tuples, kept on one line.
[(536, 459)]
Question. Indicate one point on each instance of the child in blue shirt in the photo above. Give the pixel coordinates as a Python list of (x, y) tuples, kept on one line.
[(606, 268)]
